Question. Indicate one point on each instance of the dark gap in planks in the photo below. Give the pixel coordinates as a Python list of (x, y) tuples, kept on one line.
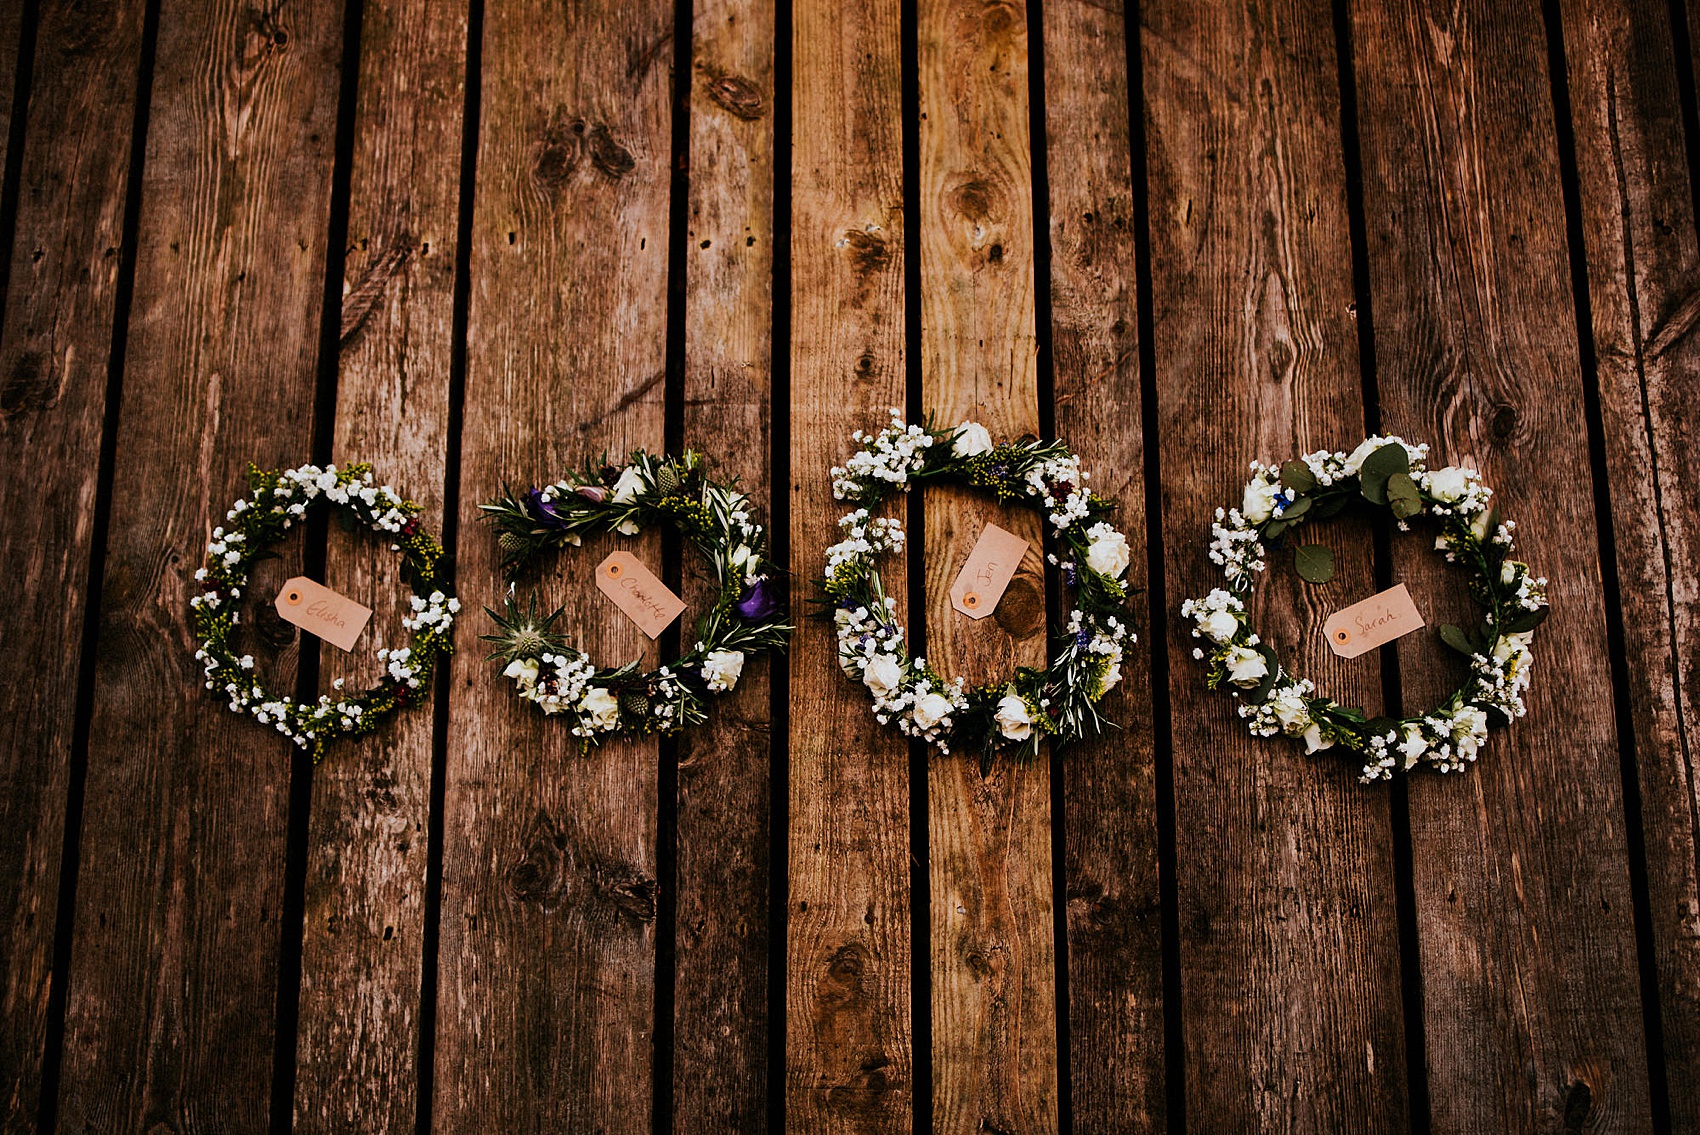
[(1392, 689), (779, 537), (461, 304), (673, 442), (1682, 46), (1046, 376), (1157, 627), (292, 921), (70, 854), (22, 80), (1617, 650), (915, 528)]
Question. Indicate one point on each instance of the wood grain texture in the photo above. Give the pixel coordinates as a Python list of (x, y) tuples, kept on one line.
[(174, 955), (1638, 230), (720, 1027), (1115, 970), (1531, 996), (849, 1062), (358, 1037), (54, 361), (1288, 935), (547, 960), (993, 937)]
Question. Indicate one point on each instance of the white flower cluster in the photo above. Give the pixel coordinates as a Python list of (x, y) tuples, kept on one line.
[(871, 650), (1447, 739), (889, 457), (865, 536)]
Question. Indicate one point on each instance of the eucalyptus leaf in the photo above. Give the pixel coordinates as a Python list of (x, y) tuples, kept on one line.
[(1314, 563), (1378, 467), (1295, 510), (1274, 528), (1296, 475), (1329, 506), (1456, 638), (1402, 496), (1525, 621)]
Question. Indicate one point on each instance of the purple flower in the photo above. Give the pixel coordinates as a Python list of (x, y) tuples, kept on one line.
[(544, 511), (758, 601)]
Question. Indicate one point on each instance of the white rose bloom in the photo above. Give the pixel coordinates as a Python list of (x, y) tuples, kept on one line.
[(931, 709), (882, 675), (601, 707), (1014, 720), (1358, 456), (1246, 667), (1508, 571), (1479, 526), (523, 671), (1448, 484), (1291, 712), (1219, 626), (1259, 502), (1315, 742), (971, 438), (1108, 554), (1512, 646), (722, 669), (739, 557), (626, 488), (628, 527)]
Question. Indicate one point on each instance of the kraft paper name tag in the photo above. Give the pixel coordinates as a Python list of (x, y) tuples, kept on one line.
[(1377, 620), (318, 610), (990, 567), (634, 589)]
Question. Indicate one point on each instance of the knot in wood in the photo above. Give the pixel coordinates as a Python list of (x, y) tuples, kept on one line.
[(607, 154), (738, 96)]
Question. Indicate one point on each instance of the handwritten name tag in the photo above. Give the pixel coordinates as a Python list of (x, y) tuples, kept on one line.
[(634, 589), (990, 567), (318, 610), (1366, 625)]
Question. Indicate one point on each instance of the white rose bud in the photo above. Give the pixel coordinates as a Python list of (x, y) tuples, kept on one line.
[(1014, 720), (1448, 484), (1112, 675), (1315, 742), (931, 709), (1355, 461), (1219, 626), (882, 675), (1259, 502), (1246, 667), (971, 439), (522, 670), (601, 707), (1108, 554)]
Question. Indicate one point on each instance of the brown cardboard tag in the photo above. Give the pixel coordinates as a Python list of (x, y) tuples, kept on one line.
[(318, 610), (990, 567), (1366, 625), (634, 589)]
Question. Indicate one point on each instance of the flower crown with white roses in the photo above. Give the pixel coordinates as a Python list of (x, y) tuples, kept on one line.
[(279, 500), (1390, 473), (1060, 701), (745, 617)]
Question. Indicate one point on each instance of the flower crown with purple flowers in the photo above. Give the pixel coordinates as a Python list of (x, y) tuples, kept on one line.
[(744, 619)]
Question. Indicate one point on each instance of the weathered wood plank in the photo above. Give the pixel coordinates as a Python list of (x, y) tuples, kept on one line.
[(1115, 971), (849, 1066), (993, 936), (174, 957), (358, 1040), (54, 362), (1638, 229), (1289, 946), (720, 1001), (547, 957), (1531, 998)]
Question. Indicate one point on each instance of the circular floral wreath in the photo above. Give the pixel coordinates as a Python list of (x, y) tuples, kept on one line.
[(1387, 472), (279, 500), (1060, 701), (744, 619)]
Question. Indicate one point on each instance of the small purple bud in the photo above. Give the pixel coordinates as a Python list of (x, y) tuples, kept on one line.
[(544, 511), (593, 492)]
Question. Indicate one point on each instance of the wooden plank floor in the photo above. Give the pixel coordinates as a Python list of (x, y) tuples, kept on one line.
[(478, 243)]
